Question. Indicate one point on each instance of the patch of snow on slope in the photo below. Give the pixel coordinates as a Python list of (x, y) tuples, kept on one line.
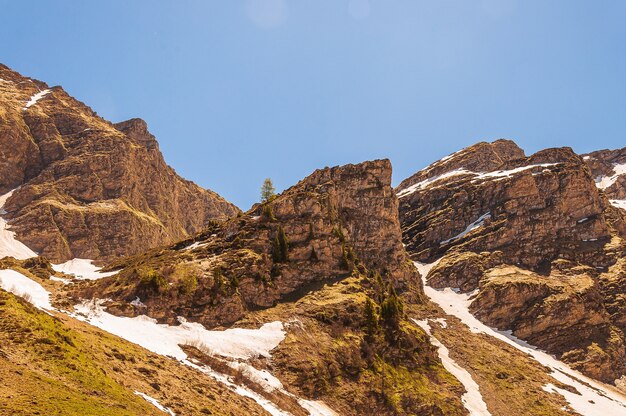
[(9, 246), (604, 182), (239, 389), (508, 173), (235, 343), (162, 339), (619, 203), (472, 399), (33, 100), (476, 224), (498, 175), (316, 408), (195, 245), (597, 399), (81, 269), (22, 286), (427, 182), (155, 403)]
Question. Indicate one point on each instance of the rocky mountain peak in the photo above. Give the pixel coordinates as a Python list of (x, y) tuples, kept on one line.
[(137, 130), (480, 157), (337, 222), (87, 188)]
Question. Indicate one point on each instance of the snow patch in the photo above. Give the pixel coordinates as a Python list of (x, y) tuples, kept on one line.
[(29, 290), (597, 399), (155, 403), (138, 303), (498, 175), (9, 245), (604, 182), (60, 279), (472, 399), (508, 173), (619, 203), (195, 245), (476, 224), (316, 408), (427, 182), (81, 269), (33, 100), (162, 339)]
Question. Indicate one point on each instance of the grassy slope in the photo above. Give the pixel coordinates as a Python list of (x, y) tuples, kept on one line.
[(55, 365), (324, 358)]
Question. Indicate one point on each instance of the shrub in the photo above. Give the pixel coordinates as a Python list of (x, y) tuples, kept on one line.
[(154, 280), (280, 247)]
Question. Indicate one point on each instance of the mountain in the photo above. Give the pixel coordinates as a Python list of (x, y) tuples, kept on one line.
[(78, 186), (534, 239), (313, 257), (488, 283)]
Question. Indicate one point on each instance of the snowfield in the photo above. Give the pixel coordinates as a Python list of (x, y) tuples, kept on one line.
[(236, 345), (22, 286), (81, 269), (595, 399), (162, 339), (9, 246)]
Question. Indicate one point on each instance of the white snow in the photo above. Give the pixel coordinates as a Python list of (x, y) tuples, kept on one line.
[(472, 399), (235, 343), (22, 286), (81, 269), (195, 245), (270, 407), (60, 279), (604, 182), (597, 399), (427, 182), (316, 408), (36, 98), (476, 224), (498, 175), (155, 403), (508, 173), (9, 246), (138, 303), (619, 203)]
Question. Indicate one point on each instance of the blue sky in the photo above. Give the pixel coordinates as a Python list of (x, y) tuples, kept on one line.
[(236, 91)]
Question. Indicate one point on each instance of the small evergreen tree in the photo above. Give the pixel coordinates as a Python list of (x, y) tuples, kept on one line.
[(280, 252), (267, 190), (371, 320), (391, 309)]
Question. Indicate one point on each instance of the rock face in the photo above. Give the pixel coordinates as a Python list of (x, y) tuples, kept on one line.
[(536, 236), (89, 188), (334, 223)]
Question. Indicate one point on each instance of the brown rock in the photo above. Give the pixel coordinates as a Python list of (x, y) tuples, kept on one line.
[(88, 188), (336, 222)]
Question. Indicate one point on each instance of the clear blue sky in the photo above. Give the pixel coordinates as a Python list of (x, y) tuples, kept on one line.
[(236, 91)]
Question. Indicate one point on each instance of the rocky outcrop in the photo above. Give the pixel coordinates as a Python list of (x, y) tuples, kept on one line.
[(533, 209), (563, 313), (538, 240), (88, 188), (336, 222)]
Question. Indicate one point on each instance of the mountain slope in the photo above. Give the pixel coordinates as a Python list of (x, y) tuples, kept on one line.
[(87, 188), (536, 238)]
